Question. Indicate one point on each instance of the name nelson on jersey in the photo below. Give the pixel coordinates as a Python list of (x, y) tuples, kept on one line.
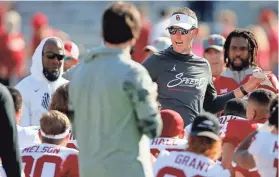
[(38, 149)]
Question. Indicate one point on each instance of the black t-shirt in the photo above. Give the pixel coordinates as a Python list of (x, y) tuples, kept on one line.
[(184, 83)]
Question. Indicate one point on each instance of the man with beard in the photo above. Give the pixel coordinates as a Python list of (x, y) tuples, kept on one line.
[(240, 56), (37, 88)]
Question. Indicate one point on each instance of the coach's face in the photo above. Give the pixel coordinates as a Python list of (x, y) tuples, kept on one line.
[(239, 53), (182, 38)]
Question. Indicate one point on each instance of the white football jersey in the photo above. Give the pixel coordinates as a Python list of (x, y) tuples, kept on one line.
[(187, 164), (45, 160), (27, 137), (2, 171), (264, 149), (170, 144), (72, 143)]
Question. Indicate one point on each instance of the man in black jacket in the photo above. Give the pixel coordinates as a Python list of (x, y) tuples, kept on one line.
[(185, 79), (9, 152)]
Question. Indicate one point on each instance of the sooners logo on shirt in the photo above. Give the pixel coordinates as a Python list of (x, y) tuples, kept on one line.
[(181, 80)]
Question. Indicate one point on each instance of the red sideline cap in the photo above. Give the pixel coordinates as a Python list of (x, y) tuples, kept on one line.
[(38, 20), (71, 49), (173, 123)]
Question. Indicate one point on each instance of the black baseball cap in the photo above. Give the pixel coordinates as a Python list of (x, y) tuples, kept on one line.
[(206, 124)]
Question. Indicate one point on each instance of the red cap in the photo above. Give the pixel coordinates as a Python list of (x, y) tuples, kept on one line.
[(71, 49), (267, 15), (173, 124), (38, 20)]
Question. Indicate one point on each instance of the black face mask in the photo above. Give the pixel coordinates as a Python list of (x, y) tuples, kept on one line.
[(51, 76), (245, 64)]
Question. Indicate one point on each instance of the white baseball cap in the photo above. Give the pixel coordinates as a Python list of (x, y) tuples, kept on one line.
[(159, 44), (184, 21), (71, 49)]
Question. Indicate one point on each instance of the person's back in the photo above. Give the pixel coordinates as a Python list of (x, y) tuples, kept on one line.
[(265, 151), (187, 164), (48, 158), (111, 120), (9, 153), (235, 131), (158, 145), (234, 109), (260, 149), (114, 103), (45, 159), (27, 137), (172, 136), (199, 158)]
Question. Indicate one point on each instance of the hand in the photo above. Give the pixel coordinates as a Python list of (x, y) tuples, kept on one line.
[(252, 83)]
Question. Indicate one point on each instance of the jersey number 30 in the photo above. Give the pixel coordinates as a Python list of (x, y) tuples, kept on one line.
[(37, 167)]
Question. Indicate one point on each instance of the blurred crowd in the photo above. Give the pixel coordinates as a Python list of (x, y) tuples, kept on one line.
[(16, 51), (180, 96)]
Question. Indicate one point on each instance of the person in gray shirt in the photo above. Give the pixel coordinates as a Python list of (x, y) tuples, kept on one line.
[(113, 101), (185, 79)]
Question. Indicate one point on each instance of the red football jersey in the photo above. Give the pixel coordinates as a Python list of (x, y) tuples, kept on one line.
[(70, 167), (235, 131), (47, 159)]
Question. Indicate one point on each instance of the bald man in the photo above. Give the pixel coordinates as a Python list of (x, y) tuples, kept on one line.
[(37, 88)]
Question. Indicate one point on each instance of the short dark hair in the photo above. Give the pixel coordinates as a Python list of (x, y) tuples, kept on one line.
[(17, 98), (121, 23), (273, 111), (235, 107), (261, 97), (186, 11), (252, 45)]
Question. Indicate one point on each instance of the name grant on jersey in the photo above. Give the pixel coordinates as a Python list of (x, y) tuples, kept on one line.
[(192, 162), (45, 149)]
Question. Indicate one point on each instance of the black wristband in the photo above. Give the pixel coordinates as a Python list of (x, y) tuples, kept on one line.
[(243, 90)]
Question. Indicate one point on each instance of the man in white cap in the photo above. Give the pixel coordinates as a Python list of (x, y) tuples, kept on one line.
[(72, 55), (213, 52), (160, 44), (184, 79)]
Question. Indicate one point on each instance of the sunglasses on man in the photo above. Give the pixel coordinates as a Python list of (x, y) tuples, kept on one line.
[(182, 31), (51, 56)]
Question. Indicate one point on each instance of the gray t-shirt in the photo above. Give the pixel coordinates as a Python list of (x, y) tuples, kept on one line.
[(184, 83)]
